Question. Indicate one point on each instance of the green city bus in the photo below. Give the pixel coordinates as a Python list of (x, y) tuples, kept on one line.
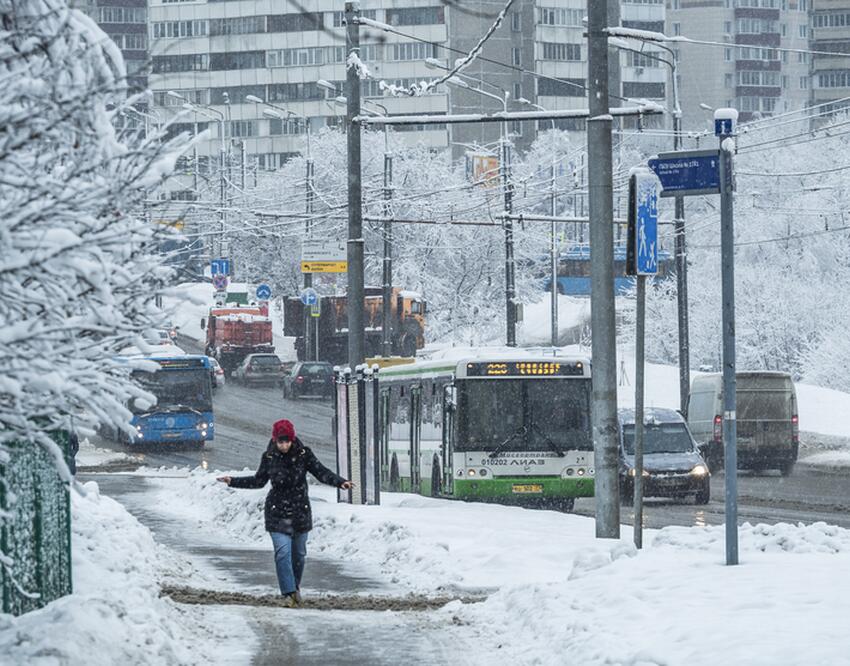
[(511, 429)]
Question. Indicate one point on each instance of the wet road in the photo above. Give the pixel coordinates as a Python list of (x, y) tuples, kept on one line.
[(244, 416)]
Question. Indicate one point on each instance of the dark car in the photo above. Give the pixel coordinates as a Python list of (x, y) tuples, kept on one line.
[(309, 378), (672, 464), (259, 369)]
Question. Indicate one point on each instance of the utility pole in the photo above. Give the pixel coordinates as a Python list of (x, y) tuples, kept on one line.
[(604, 348), (553, 250), (309, 343), (386, 337), (510, 284), (356, 344), (727, 259)]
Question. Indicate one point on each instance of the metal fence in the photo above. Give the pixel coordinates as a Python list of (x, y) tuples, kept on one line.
[(356, 434), (35, 528)]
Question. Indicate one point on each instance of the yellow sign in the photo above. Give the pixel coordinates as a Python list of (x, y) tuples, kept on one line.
[(485, 170), (177, 224), (324, 266)]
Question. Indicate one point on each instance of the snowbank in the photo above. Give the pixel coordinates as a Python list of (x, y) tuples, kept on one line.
[(115, 614), (536, 326), (91, 456), (560, 596)]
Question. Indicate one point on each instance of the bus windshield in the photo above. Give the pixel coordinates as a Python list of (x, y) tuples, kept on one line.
[(177, 390), (539, 415)]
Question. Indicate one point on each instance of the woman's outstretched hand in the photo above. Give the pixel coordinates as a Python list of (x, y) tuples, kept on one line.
[(346, 485), (224, 479)]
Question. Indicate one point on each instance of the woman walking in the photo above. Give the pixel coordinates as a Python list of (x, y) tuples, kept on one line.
[(288, 517)]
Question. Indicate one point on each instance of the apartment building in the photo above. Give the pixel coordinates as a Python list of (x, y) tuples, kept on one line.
[(830, 28), (748, 71)]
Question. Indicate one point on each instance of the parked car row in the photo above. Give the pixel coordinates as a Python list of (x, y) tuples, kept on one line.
[(297, 379)]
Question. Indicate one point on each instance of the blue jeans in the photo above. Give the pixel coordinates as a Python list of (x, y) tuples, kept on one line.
[(290, 552)]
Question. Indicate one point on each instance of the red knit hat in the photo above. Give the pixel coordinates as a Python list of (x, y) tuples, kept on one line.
[(283, 428)]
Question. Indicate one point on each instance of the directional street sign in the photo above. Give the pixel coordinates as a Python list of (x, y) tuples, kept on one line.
[(688, 172), (219, 282), (309, 296), (219, 266), (642, 248), (323, 256), (264, 292)]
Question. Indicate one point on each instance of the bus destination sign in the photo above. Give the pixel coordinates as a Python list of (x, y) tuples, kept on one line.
[(179, 363), (525, 369)]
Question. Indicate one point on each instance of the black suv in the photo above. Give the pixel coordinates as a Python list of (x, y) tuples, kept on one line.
[(309, 378)]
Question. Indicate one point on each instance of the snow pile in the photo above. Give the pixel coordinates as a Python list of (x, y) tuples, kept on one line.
[(91, 456), (115, 614)]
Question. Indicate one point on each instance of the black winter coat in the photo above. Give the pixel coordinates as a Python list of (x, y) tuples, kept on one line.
[(288, 503)]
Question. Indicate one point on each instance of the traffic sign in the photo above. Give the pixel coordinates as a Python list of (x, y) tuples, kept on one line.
[(725, 121), (219, 266), (323, 256), (219, 282), (642, 250), (687, 172), (264, 292), (309, 296), (316, 309)]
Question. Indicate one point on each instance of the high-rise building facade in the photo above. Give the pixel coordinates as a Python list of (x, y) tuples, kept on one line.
[(830, 27), (749, 71)]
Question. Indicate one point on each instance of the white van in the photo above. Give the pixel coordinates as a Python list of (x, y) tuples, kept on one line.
[(767, 420)]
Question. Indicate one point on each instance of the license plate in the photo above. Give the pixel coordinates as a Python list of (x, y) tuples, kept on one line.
[(528, 488), (171, 435)]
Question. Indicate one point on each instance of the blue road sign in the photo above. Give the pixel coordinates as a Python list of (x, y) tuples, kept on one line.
[(688, 172), (220, 267), (309, 296), (264, 292), (724, 127), (646, 227)]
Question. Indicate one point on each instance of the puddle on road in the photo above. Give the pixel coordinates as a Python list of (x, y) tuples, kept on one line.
[(328, 602)]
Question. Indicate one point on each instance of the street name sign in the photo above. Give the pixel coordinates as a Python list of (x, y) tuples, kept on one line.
[(688, 172), (323, 256)]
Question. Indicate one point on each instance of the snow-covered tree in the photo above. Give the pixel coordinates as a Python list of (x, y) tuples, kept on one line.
[(77, 257)]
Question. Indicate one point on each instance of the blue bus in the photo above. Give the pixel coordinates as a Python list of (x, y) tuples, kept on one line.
[(183, 413), (574, 271)]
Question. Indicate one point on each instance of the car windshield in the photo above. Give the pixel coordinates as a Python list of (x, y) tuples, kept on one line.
[(177, 389), (659, 438), (265, 360), (542, 414), (316, 369)]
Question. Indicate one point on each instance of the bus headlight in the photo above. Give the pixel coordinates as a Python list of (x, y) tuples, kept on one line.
[(580, 471), (699, 470), (201, 426), (470, 472)]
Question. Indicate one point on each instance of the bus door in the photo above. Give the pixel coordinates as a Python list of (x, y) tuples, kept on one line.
[(384, 437), (449, 411), (415, 435)]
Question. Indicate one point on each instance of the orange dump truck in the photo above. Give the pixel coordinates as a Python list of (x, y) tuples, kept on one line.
[(407, 324), (235, 331)]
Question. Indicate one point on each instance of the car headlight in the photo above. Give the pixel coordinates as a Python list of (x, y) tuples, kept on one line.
[(632, 472), (699, 470), (201, 426)]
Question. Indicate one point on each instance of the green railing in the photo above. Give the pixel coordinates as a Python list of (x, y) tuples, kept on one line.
[(35, 529)]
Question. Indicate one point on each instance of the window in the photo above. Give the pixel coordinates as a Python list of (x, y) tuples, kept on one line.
[(285, 92), (755, 26), (516, 56), (560, 51), (727, 27), (339, 17), (122, 15), (784, 81), (243, 25), (561, 87), (134, 41), (642, 59), (236, 94), (517, 90), (195, 62), (727, 80), (416, 16), (757, 53), (677, 29), (570, 18), (834, 79), (192, 96), (802, 57), (727, 55), (286, 127), (652, 26), (516, 22), (516, 127), (296, 57), (759, 78), (804, 82), (243, 128), (782, 29), (295, 22), (413, 51), (641, 89), (172, 29), (803, 30), (237, 60)]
